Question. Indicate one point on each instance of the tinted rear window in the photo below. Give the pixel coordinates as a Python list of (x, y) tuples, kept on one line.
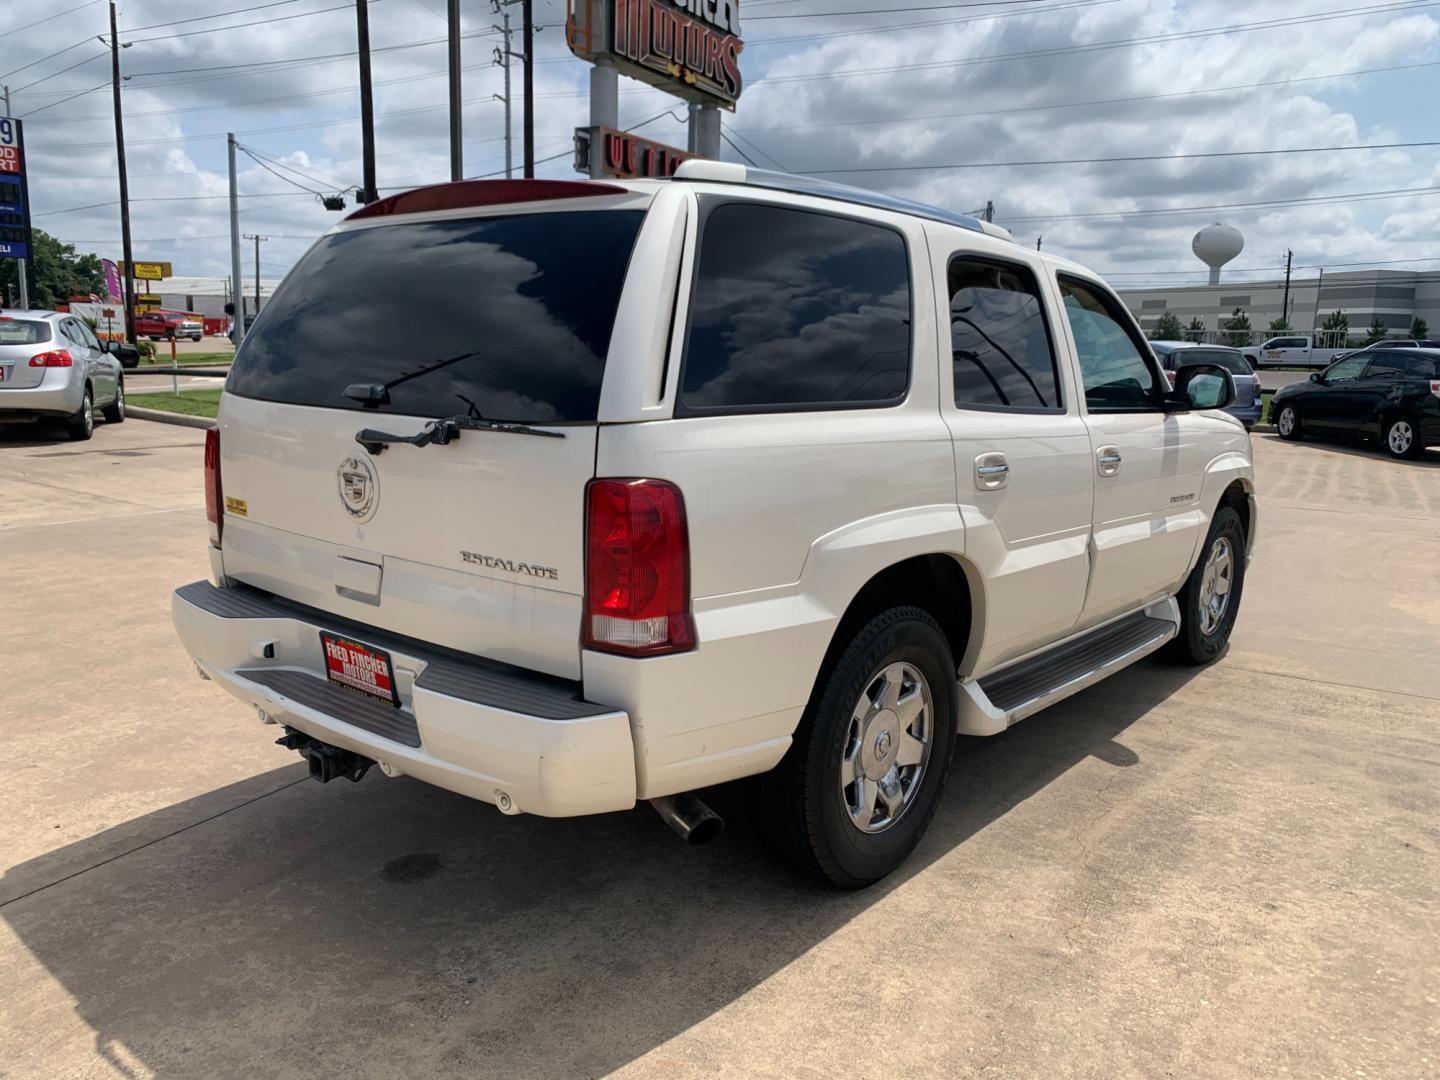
[(531, 296), (1231, 361), (23, 332)]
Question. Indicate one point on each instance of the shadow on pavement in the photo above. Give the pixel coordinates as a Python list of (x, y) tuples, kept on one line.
[(1355, 446), (392, 929)]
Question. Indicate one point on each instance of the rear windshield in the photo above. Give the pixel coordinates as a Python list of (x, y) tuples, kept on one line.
[(23, 331), (1232, 362), (507, 318)]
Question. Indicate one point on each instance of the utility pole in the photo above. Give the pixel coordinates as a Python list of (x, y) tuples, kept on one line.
[(22, 274), (125, 249), (257, 239), (1285, 304), (503, 55), (989, 211), (237, 298), (457, 148), (367, 101), (527, 45), (1039, 240)]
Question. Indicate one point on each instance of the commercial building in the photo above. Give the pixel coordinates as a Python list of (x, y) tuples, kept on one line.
[(1395, 297)]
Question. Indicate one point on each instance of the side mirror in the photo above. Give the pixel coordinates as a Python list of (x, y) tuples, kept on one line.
[(112, 347), (1317, 377), (1202, 386)]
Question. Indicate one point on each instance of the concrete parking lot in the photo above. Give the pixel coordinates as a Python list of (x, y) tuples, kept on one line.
[(1231, 872)]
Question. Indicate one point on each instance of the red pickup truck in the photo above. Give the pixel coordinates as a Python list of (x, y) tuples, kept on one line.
[(163, 325)]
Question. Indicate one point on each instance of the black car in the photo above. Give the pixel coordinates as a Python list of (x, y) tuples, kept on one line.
[(1388, 394)]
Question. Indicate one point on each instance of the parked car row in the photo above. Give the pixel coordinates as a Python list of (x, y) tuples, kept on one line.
[(1388, 394)]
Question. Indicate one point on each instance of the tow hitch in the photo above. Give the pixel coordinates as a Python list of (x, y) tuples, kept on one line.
[(326, 762)]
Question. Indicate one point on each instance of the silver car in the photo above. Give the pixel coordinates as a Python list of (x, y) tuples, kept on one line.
[(53, 366)]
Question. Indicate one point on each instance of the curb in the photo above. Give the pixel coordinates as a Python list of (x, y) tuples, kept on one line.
[(159, 416), (1264, 429)]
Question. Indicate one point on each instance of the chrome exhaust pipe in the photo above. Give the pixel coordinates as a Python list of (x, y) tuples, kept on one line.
[(692, 820)]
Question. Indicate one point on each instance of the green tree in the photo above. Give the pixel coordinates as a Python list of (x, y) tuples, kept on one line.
[(1377, 331), (1196, 330), (57, 270), (1419, 328), (1168, 328), (1280, 325), (1337, 329), (1237, 329)]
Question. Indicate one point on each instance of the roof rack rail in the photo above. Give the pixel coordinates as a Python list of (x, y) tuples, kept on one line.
[(729, 172)]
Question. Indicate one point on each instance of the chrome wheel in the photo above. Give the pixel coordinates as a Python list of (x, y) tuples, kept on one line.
[(887, 747), (1286, 424), (1216, 581), (87, 415), (1401, 438), (120, 401)]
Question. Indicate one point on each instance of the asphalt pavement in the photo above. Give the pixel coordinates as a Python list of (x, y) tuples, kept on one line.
[(1219, 873)]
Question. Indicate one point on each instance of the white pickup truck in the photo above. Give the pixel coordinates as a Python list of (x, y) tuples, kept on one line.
[(1295, 350)]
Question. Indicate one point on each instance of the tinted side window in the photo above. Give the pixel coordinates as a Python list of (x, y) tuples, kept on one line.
[(1385, 365), (794, 310), (1423, 367), (1349, 368), (1113, 369), (999, 342)]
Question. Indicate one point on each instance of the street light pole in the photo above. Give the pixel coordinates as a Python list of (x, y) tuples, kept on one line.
[(367, 100), (237, 298), (527, 45), (257, 238), (457, 149), (125, 248)]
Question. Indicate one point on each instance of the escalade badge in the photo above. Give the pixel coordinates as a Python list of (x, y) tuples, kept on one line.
[(359, 490)]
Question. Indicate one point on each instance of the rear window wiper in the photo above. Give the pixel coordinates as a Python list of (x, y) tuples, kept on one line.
[(446, 430)]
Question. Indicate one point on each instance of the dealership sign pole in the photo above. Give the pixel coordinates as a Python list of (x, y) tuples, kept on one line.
[(689, 48), (14, 203)]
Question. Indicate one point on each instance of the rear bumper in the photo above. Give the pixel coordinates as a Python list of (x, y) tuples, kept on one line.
[(53, 397), (1249, 415), (470, 725)]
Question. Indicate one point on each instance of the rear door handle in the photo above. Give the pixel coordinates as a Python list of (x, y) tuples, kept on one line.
[(1107, 460), (992, 471)]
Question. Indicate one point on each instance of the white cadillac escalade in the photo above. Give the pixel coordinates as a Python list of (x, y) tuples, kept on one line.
[(567, 495)]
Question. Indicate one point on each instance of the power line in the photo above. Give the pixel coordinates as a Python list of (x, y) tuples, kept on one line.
[(50, 56), (72, 97), (62, 71), (867, 30), (217, 15), (1115, 160), (1119, 43), (57, 15), (1101, 101), (1356, 196), (888, 11), (247, 25)]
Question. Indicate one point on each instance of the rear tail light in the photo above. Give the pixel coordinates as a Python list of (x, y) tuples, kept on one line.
[(54, 358), (214, 502), (637, 569)]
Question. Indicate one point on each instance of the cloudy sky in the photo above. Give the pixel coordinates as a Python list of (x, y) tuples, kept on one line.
[(908, 84)]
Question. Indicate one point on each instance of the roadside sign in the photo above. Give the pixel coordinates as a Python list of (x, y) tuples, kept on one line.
[(624, 155), (14, 195), (150, 271)]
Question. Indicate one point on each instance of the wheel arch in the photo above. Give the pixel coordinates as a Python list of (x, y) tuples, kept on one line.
[(942, 584)]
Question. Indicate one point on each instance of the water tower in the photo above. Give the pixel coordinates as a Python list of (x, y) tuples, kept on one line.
[(1215, 245)]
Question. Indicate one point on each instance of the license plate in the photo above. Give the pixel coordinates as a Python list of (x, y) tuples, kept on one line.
[(359, 667)]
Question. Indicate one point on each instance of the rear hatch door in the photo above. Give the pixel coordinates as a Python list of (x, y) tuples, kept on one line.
[(20, 339), (475, 543)]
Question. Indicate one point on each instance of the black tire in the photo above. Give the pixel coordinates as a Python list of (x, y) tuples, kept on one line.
[(1295, 430), (82, 425), (1392, 438), (1195, 644), (815, 831), (114, 413)]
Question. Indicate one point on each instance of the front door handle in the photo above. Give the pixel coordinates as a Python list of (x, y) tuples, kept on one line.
[(1107, 460), (992, 471)]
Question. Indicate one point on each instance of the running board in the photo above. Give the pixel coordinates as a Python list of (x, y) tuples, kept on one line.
[(991, 704)]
